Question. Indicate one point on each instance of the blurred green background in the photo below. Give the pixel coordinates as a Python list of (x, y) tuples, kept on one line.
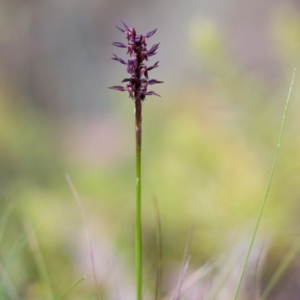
[(208, 143)]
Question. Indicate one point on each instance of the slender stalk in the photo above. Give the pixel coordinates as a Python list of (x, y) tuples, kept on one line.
[(159, 251), (138, 217), (263, 204), (281, 269), (137, 86), (87, 234), (40, 262), (70, 288)]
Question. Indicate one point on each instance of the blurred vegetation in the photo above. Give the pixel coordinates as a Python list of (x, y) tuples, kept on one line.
[(208, 146)]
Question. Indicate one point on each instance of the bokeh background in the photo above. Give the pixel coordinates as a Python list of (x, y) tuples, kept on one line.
[(208, 146)]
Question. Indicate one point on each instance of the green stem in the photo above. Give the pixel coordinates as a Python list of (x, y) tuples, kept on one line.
[(138, 218), (266, 192), (281, 269)]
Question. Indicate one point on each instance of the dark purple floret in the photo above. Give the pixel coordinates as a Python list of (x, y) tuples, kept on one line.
[(119, 59), (117, 88), (118, 44), (150, 33), (152, 50), (154, 81), (136, 46)]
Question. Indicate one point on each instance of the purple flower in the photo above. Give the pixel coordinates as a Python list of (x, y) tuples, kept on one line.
[(136, 46)]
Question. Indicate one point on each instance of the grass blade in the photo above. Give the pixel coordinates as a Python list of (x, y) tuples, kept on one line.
[(40, 263), (87, 232), (4, 220), (8, 284), (185, 264), (70, 288), (281, 269), (263, 204)]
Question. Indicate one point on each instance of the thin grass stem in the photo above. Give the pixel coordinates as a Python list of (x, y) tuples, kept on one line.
[(4, 220), (70, 288), (39, 260), (138, 215), (263, 204), (87, 234), (7, 284), (159, 251), (185, 264), (281, 269)]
